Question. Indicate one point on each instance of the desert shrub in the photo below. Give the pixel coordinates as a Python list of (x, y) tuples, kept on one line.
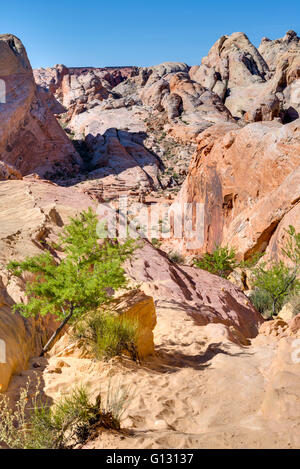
[(292, 248), (108, 335), (221, 262), (69, 422), (276, 282), (118, 398), (12, 419), (79, 282), (279, 281), (262, 301), (176, 257), (155, 242)]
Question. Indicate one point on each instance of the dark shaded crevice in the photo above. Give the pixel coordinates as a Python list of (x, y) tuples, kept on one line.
[(263, 241)]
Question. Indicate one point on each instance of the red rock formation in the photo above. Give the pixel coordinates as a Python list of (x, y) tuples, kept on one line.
[(31, 140), (248, 180), (78, 89), (280, 237), (205, 297), (253, 83)]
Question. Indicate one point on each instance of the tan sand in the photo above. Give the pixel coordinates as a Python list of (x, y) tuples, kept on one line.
[(199, 391)]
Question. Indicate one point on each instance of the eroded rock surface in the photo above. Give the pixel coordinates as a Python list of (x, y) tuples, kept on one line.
[(205, 297), (209, 379), (248, 181), (160, 110), (31, 140), (255, 84)]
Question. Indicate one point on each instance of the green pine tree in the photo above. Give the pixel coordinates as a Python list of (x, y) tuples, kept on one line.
[(79, 282)]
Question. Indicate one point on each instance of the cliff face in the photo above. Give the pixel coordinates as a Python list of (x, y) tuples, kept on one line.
[(31, 140), (249, 181), (20, 338)]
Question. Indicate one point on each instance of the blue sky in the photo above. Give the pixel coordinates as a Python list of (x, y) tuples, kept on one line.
[(137, 32)]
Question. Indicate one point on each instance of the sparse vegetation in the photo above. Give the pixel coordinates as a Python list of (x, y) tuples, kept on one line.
[(79, 282), (108, 335), (221, 262), (262, 301), (162, 137), (176, 257), (155, 242), (276, 282), (69, 422)]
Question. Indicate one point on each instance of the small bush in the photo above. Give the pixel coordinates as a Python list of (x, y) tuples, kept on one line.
[(221, 262), (277, 282), (262, 301), (10, 420), (176, 258), (69, 422), (108, 335), (155, 242)]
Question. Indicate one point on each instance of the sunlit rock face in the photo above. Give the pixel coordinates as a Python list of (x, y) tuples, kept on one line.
[(249, 182), (31, 140)]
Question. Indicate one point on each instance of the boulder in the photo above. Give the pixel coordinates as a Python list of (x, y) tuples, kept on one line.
[(276, 328), (281, 328), (287, 312), (140, 308)]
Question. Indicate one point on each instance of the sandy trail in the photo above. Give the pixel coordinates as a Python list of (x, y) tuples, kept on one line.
[(195, 393)]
